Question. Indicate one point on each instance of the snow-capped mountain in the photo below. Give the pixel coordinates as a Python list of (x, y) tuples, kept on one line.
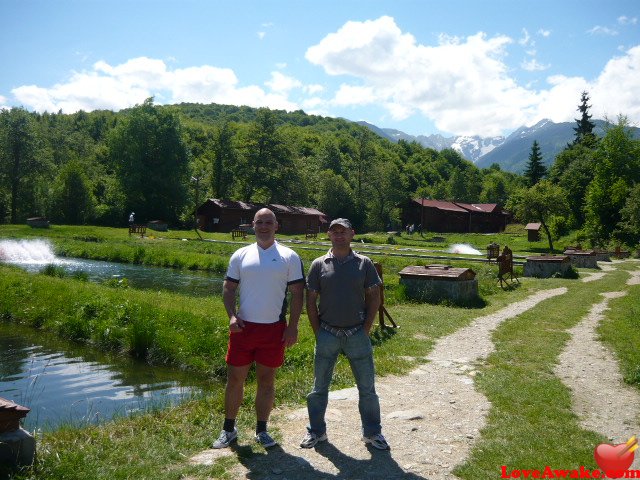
[(511, 153), (472, 148)]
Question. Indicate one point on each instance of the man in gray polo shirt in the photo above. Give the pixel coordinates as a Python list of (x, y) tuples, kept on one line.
[(348, 287)]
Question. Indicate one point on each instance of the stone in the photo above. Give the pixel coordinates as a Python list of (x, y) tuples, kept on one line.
[(17, 448)]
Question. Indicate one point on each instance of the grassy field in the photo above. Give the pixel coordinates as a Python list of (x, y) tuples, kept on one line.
[(530, 421)]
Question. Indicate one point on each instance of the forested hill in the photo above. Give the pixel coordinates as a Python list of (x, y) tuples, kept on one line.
[(162, 161), (159, 161)]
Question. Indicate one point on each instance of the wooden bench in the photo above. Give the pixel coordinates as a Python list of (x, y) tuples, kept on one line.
[(141, 229), (237, 233), (505, 266)]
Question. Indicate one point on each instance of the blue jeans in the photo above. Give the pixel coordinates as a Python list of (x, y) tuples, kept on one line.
[(357, 348)]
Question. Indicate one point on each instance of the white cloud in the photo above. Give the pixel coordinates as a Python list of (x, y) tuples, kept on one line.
[(614, 92), (599, 30), (349, 95), (121, 86), (313, 89), (624, 20), (455, 84), (261, 35), (533, 65), (282, 83), (526, 38), (544, 33), (463, 85)]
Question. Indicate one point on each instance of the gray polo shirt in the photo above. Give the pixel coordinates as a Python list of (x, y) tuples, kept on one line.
[(341, 285)]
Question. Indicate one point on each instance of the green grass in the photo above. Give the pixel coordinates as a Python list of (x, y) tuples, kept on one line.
[(621, 332), (530, 424)]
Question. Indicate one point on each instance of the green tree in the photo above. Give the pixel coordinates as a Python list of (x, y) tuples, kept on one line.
[(494, 188), (151, 162), (584, 128), (19, 161), (73, 202), (457, 186), (536, 169), (268, 161), (224, 161), (617, 168), (628, 229), (335, 197), (539, 203), (573, 170)]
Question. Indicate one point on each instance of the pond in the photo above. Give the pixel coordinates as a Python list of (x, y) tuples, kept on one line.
[(64, 384), (34, 255)]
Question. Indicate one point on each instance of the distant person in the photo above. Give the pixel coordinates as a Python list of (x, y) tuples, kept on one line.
[(132, 217), (258, 330), (349, 290)]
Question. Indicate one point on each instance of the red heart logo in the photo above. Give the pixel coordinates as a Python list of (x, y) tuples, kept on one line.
[(613, 459)]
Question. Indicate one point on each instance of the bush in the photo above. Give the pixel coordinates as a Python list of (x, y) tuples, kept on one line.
[(53, 270)]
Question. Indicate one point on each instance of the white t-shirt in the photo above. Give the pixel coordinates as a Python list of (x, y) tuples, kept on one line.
[(263, 277)]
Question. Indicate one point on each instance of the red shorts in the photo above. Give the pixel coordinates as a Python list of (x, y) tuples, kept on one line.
[(259, 342)]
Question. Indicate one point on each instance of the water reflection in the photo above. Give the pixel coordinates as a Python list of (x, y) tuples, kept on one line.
[(66, 384)]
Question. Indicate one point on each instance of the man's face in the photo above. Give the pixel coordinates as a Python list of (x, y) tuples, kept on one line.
[(265, 225), (340, 236)]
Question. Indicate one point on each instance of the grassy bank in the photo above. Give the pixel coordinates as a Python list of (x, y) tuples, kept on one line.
[(531, 424), (530, 421)]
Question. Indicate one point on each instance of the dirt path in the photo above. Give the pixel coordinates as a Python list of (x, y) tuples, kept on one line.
[(433, 415), (600, 398), (431, 418)]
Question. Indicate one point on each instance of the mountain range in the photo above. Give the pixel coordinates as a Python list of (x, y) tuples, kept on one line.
[(511, 152)]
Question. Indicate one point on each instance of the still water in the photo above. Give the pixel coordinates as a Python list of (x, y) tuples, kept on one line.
[(64, 384)]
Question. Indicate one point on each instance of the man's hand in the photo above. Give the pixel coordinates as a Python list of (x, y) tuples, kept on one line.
[(236, 324), (290, 335)]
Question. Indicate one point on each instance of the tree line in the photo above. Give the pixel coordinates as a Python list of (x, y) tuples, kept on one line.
[(160, 161)]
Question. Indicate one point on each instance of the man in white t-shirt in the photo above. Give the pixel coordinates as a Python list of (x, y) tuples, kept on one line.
[(258, 329)]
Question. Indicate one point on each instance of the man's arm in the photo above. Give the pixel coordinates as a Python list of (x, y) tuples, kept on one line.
[(372, 303), (312, 310), (290, 335), (236, 324)]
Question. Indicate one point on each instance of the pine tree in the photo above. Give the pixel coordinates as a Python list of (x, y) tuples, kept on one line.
[(535, 170), (584, 130)]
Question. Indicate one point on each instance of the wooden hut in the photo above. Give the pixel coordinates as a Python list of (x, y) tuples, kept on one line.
[(217, 215), (444, 216), (533, 231)]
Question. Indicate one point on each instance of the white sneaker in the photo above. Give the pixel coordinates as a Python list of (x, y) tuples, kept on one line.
[(311, 438), (225, 439), (264, 439), (378, 441)]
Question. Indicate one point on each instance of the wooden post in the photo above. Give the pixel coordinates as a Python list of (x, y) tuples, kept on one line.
[(382, 311)]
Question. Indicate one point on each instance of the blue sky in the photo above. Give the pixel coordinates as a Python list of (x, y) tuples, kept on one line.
[(463, 67)]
